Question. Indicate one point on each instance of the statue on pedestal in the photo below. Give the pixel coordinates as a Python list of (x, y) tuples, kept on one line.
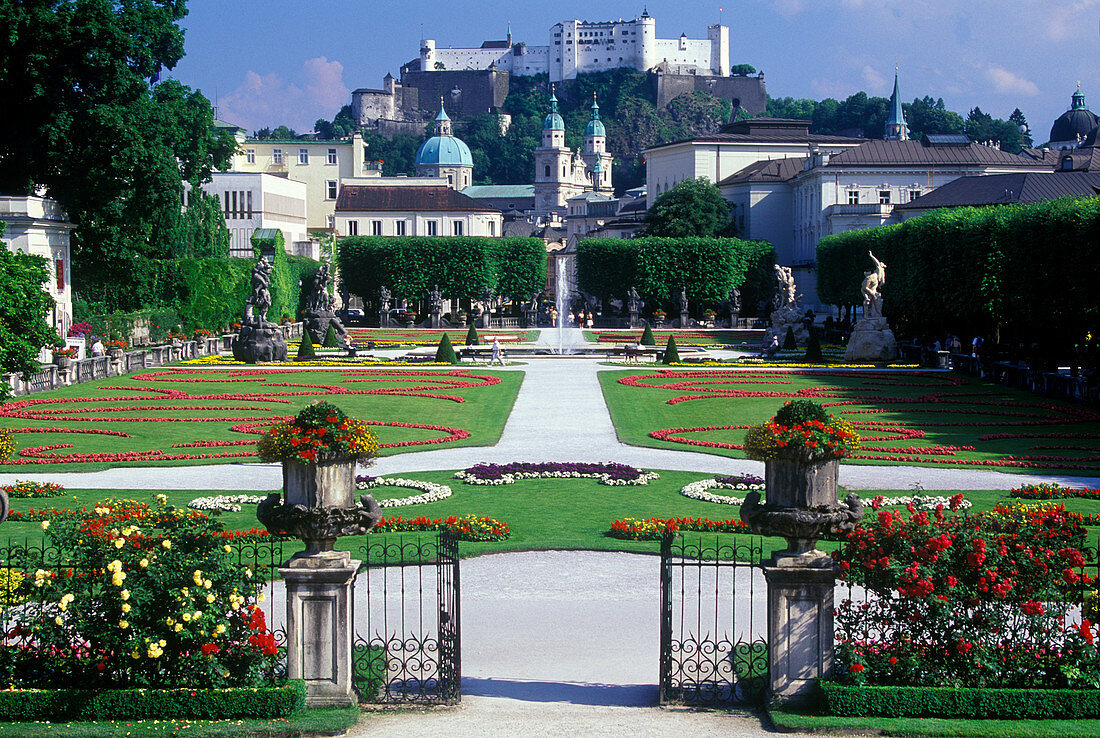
[(319, 315), (872, 284), (872, 339), (384, 297), (259, 340), (435, 307)]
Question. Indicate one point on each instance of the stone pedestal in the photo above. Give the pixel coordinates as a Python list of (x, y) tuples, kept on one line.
[(685, 321), (435, 321), (485, 319), (383, 318), (259, 342), (320, 626), (800, 624), (635, 321), (872, 340), (317, 323)]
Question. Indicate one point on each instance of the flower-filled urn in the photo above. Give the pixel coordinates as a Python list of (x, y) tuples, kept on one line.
[(801, 448), (319, 449)]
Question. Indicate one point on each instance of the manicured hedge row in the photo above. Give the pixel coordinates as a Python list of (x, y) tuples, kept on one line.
[(462, 266), (1067, 704), (658, 267), (1023, 270), (137, 704)]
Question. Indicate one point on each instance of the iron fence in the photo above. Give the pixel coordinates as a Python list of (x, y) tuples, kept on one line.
[(714, 647), (407, 645)]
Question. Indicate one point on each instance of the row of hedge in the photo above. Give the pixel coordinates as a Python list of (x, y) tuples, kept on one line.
[(203, 293), (970, 702), (1020, 272), (708, 268), (462, 266), (25, 705)]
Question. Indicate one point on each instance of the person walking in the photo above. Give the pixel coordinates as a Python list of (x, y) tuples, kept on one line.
[(496, 355), (97, 347)]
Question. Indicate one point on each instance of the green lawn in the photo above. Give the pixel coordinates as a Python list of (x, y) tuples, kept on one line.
[(157, 408), (303, 723), (790, 722), (542, 513), (933, 411)]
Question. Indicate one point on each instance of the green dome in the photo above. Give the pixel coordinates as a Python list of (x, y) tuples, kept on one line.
[(595, 126), (553, 121), (444, 151)]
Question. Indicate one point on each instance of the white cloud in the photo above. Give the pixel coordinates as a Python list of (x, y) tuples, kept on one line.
[(1006, 82), (874, 79), (1066, 21), (789, 7), (269, 101)]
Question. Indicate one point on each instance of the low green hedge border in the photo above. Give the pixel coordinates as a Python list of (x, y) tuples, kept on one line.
[(58, 705), (968, 702)]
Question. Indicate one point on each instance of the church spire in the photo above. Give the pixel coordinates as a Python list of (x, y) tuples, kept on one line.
[(896, 128), (443, 121)]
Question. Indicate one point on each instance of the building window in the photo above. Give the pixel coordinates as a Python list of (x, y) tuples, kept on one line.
[(433, 228), (547, 170), (884, 197), (225, 209), (376, 228), (456, 227), (303, 156), (332, 156), (250, 203), (450, 179), (913, 195), (330, 189), (330, 220), (233, 210), (276, 156), (400, 227), (853, 197), (60, 269), (492, 228), (250, 156), (353, 228)]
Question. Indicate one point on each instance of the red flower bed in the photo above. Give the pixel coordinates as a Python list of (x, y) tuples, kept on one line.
[(941, 394), (223, 409)]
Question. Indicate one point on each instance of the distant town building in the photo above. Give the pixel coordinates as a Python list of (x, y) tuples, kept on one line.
[(560, 172), (254, 200), (402, 210), (445, 156), (1075, 127)]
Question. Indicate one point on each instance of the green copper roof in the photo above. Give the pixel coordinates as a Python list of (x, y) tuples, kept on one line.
[(595, 126), (553, 121), (897, 116)]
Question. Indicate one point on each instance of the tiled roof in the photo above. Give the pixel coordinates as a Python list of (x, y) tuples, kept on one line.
[(499, 191), (771, 170), (895, 153), (357, 198), (1002, 189), (1084, 159), (793, 137)]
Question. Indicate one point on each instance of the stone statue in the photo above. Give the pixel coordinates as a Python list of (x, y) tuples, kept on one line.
[(872, 284), (784, 287), (261, 291), (319, 315), (735, 300), (633, 300), (384, 297), (486, 307), (683, 300), (435, 300), (259, 340), (318, 297)]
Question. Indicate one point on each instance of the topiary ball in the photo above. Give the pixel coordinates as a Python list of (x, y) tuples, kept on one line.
[(795, 412)]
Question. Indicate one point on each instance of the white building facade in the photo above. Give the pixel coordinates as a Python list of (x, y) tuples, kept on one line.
[(385, 208), (576, 47), (37, 225), (260, 200)]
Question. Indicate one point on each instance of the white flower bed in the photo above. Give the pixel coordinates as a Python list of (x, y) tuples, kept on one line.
[(700, 491), (641, 480), (224, 503), (431, 492)]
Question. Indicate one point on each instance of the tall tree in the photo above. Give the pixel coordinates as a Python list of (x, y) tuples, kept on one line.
[(694, 207), (1017, 118), (110, 147)]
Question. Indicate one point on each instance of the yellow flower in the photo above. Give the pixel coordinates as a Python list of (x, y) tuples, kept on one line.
[(248, 573), (62, 606), (162, 499), (220, 629), (210, 597), (124, 594), (162, 643), (135, 654), (227, 548), (186, 617), (166, 543), (126, 607), (118, 542), (143, 563), (58, 620), (45, 524), (261, 598), (197, 614), (207, 584), (117, 578), (197, 577), (123, 624), (178, 627), (65, 599)]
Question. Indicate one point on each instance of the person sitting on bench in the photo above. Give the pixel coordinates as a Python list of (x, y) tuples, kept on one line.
[(772, 348)]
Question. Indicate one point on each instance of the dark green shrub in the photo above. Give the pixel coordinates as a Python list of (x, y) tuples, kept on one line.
[(794, 412), (813, 349), (445, 354), (647, 338), (789, 344), (330, 338), (305, 349), (471, 335), (672, 355), (965, 702)]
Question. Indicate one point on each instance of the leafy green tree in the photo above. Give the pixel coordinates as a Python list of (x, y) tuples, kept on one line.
[(1017, 119), (694, 207), (341, 126), (23, 308), (742, 69), (926, 115), (96, 135), (200, 231)]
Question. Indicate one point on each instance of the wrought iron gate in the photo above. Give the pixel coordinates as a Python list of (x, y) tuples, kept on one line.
[(714, 608), (407, 645)]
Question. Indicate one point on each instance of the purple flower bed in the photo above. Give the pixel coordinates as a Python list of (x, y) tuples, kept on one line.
[(364, 478), (498, 471), (740, 479)]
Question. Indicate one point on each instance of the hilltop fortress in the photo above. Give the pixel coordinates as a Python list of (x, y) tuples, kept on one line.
[(476, 80)]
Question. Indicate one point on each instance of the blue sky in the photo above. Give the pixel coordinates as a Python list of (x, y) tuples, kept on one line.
[(291, 62)]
